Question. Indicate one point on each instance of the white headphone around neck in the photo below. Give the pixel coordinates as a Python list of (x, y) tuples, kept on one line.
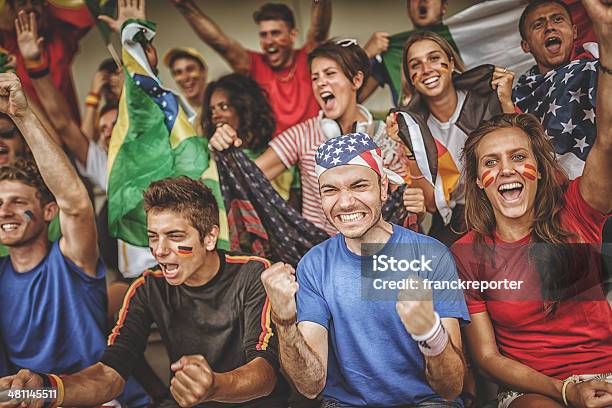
[(331, 128)]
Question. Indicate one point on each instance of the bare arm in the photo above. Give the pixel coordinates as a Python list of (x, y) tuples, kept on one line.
[(269, 162), (209, 32), (595, 186), (445, 371), (88, 123), (79, 240), (303, 355), (57, 110), (320, 21), (271, 165), (90, 387), (253, 380), (481, 342), (367, 89), (52, 100)]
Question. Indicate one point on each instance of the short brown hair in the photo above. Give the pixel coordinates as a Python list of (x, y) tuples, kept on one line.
[(185, 196), (275, 11), (347, 54), (26, 172)]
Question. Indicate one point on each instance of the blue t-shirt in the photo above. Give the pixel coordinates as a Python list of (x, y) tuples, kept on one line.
[(372, 360), (53, 319)]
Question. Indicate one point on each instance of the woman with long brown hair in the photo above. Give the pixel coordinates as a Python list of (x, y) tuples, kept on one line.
[(542, 328), (445, 103)]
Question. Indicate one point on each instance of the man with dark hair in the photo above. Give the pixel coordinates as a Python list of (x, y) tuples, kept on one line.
[(548, 33), (52, 280), (209, 305), (340, 332), (280, 70), (189, 70)]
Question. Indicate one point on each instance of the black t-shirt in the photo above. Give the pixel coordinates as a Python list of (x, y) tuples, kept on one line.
[(227, 320)]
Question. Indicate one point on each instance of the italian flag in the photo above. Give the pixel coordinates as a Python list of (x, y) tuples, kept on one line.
[(486, 33)]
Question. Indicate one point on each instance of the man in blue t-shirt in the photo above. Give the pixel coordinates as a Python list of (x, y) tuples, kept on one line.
[(354, 340), (52, 295)]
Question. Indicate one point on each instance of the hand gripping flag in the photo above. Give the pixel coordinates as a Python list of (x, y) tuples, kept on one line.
[(439, 163)]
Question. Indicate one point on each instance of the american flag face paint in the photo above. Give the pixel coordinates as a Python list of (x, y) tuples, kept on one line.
[(530, 172), (487, 178)]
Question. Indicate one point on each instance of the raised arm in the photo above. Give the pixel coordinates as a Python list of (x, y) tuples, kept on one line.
[(209, 32), (595, 186), (268, 162), (79, 240), (303, 347), (320, 21), (481, 342), (51, 98)]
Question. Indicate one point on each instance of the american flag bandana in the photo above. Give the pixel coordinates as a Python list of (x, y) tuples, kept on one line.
[(564, 101), (353, 148)]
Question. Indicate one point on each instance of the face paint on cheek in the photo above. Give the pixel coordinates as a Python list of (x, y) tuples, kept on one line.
[(444, 67), (530, 172), (414, 77), (487, 178), (184, 251), (28, 215)]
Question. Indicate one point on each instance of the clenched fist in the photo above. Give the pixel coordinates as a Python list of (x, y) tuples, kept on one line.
[(23, 379), (415, 308), (281, 287), (414, 200), (193, 381), (12, 98), (224, 137)]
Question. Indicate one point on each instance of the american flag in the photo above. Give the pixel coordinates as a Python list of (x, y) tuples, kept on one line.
[(564, 101), (260, 221)]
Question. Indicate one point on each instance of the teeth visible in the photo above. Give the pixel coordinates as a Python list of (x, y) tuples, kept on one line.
[(9, 227), (430, 80), (326, 94), (351, 217), (171, 267), (3, 149), (509, 186), (272, 50)]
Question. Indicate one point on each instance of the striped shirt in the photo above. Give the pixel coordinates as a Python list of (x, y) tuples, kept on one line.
[(299, 144)]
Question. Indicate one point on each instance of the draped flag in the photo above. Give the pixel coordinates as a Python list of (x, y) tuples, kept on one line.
[(564, 101), (152, 139), (260, 221), (486, 32)]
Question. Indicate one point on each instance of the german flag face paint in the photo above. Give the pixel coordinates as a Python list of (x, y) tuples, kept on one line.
[(184, 251), (487, 178), (444, 67), (530, 172)]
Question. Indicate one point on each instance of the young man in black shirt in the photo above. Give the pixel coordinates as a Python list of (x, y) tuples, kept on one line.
[(209, 305)]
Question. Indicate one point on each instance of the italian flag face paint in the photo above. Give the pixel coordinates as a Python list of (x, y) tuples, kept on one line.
[(184, 251), (487, 178), (530, 172)]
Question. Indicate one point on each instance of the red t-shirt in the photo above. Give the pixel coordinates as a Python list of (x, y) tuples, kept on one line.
[(61, 44), (577, 338), (289, 90)]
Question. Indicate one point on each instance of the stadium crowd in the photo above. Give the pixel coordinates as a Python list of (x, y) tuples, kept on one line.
[(243, 218)]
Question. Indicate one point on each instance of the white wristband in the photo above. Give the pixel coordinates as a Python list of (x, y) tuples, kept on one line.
[(429, 334)]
